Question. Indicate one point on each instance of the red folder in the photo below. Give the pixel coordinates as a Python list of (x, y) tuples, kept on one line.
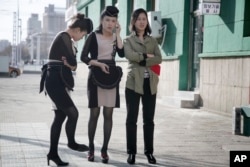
[(156, 69)]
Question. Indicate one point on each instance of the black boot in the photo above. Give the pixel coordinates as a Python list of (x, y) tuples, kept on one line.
[(151, 158), (131, 159)]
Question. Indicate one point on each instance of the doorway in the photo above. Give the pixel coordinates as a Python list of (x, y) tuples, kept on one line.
[(196, 45)]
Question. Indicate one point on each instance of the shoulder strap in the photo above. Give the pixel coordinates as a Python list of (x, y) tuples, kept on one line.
[(114, 49)]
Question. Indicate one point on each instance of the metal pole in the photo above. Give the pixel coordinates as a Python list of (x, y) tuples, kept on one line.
[(18, 40)]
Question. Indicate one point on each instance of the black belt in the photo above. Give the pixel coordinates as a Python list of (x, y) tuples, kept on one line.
[(45, 68)]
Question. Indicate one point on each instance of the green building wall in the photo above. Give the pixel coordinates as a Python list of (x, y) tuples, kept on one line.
[(225, 61), (223, 33), (175, 13)]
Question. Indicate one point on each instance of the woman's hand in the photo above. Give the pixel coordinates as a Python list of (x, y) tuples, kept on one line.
[(150, 55), (104, 67), (118, 37), (65, 62), (117, 29)]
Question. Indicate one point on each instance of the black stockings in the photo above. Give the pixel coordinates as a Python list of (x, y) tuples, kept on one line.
[(107, 127), (94, 115), (72, 114)]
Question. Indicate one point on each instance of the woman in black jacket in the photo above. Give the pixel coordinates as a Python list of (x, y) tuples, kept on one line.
[(59, 81), (102, 46)]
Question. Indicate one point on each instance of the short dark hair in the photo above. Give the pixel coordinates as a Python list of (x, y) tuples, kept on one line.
[(82, 22), (134, 17)]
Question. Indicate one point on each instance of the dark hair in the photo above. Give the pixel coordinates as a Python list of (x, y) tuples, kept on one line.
[(110, 11), (134, 17), (80, 21)]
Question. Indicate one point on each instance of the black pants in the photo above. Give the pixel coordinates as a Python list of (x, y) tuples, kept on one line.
[(148, 108)]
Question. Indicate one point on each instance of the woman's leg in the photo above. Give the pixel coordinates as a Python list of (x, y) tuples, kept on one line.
[(148, 103), (71, 123), (72, 114), (94, 115), (132, 102), (107, 127), (55, 132)]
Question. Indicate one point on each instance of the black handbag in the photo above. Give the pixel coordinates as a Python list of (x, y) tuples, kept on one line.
[(106, 81)]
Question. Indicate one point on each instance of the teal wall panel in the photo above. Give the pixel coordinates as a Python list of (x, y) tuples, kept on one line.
[(123, 19), (224, 33), (171, 6), (228, 41), (212, 21), (179, 44), (173, 15), (211, 39), (246, 44), (140, 4)]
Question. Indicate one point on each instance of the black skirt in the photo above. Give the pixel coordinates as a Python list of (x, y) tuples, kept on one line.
[(58, 82)]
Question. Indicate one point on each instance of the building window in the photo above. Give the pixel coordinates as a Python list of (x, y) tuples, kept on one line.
[(246, 28)]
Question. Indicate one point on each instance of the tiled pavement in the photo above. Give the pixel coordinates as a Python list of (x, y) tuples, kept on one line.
[(183, 137)]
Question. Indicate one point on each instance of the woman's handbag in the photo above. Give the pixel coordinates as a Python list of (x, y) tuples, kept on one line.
[(106, 81), (110, 80)]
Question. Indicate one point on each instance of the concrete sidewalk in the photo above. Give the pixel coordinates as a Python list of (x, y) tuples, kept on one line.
[(183, 137)]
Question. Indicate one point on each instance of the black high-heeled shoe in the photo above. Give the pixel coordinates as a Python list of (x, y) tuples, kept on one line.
[(105, 157), (131, 158), (91, 156), (151, 158), (57, 160), (78, 147)]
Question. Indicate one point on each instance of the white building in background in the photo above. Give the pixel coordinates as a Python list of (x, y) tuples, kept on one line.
[(34, 24), (40, 41), (53, 20), (4, 44)]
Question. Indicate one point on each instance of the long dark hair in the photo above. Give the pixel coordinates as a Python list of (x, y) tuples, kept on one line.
[(82, 22), (111, 11), (134, 17)]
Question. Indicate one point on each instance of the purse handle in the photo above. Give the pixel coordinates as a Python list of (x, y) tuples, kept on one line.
[(114, 50)]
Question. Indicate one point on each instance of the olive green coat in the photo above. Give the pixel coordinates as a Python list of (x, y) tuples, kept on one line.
[(134, 49)]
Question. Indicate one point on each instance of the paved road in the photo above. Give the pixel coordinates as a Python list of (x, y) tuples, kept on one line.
[(183, 137)]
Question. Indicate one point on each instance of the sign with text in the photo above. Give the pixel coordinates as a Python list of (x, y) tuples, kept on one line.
[(211, 1), (210, 8)]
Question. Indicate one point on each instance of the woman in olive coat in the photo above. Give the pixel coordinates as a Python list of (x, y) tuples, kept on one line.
[(142, 52)]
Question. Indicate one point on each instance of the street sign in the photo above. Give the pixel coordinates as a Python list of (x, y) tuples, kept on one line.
[(211, 1), (210, 8)]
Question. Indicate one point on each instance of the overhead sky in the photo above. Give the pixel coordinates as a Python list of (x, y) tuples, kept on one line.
[(26, 7)]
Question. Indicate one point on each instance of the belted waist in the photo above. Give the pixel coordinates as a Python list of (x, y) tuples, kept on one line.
[(54, 64), (58, 66), (107, 61)]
